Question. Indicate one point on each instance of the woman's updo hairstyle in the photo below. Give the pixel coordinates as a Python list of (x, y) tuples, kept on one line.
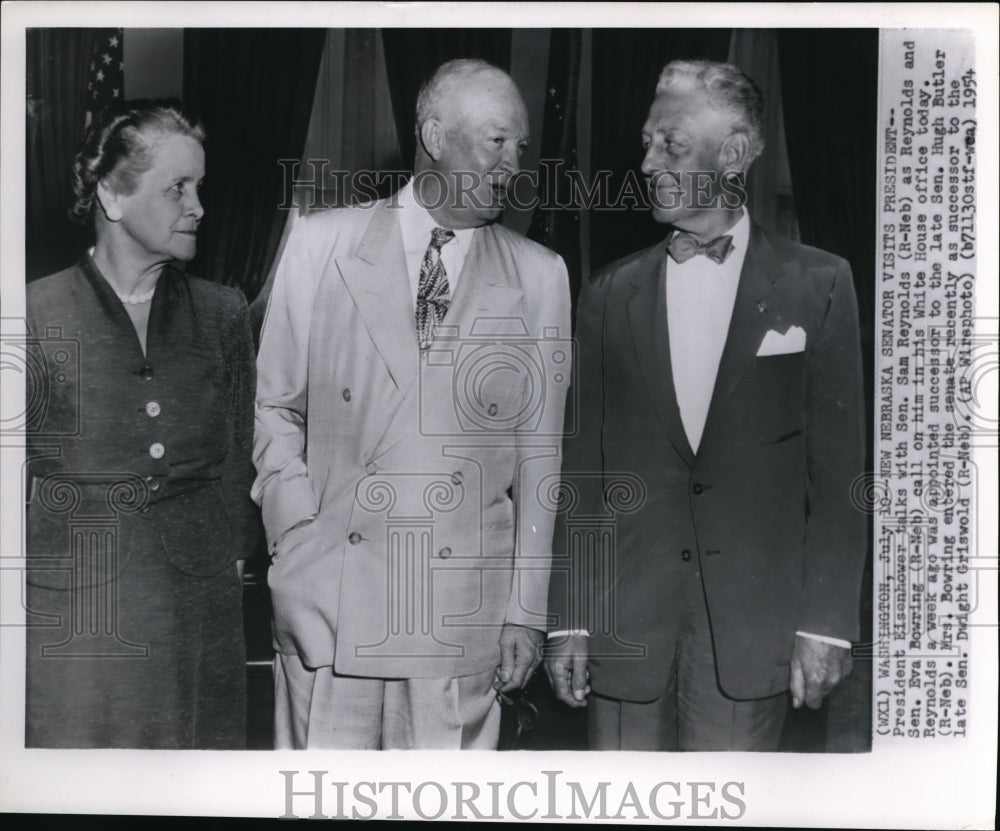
[(118, 145)]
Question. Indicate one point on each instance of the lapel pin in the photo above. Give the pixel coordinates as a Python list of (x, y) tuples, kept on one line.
[(761, 306)]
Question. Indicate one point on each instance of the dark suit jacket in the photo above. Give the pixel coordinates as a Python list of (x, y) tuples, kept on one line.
[(97, 407), (765, 505)]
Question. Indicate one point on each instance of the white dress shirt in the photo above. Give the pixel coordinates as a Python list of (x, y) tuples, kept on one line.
[(700, 298), (416, 224)]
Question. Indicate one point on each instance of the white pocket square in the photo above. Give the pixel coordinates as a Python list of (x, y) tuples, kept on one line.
[(774, 343)]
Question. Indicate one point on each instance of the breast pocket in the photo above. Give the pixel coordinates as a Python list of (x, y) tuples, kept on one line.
[(779, 403)]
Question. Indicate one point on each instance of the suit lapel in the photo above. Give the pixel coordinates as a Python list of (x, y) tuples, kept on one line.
[(484, 303), (647, 317), (749, 322), (377, 279), (488, 289), (487, 302)]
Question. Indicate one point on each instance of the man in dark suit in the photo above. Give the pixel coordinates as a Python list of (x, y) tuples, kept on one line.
[(720, 390)]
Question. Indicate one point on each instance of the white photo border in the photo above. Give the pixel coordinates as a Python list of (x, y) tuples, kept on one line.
[(939, 784)]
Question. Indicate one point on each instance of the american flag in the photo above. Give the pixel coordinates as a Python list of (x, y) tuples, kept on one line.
[(106, 76)]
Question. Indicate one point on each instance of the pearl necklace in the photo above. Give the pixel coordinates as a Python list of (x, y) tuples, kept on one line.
[(130, 299), (137, 299)]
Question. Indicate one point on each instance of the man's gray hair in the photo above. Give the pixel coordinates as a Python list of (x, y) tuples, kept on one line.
[(444, 79), (727, 88)]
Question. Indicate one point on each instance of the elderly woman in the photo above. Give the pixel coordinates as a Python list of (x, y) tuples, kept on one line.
[(139, 468)]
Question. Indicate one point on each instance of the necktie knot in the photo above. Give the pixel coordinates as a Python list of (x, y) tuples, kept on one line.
[(441, 236), (683, 246)]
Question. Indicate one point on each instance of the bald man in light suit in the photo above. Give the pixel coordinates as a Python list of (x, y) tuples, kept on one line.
[(412, 372)]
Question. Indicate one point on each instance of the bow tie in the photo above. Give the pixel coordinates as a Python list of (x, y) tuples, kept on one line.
[(683, 246)]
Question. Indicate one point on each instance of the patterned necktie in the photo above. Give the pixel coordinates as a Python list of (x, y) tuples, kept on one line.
[(433, 293), (683, 246)]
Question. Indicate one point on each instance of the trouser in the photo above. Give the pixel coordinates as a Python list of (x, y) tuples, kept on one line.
[(692, 713), (317, 708)]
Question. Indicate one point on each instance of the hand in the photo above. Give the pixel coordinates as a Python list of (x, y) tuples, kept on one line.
[(520, 655), (817, 668), (241, 569), (566, 665)]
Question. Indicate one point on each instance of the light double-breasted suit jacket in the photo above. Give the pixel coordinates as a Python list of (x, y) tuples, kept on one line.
[(423, 471), (764, 508)]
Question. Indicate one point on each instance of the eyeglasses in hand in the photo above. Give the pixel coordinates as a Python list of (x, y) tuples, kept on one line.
[(525, 712)]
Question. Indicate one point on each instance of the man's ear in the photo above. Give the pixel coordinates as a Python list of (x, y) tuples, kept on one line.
[(735, 152), (432, 138), (108, 201)]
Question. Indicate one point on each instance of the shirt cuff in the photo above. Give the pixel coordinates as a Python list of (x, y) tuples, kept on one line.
[(826, 639), (559, 633)]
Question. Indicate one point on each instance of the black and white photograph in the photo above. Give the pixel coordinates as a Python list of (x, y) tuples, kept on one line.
[(379, 379)]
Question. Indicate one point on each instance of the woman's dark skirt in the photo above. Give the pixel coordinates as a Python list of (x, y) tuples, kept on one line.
[(154, 659)]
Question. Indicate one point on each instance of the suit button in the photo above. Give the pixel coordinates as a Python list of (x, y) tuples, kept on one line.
[(371, 468), (686, 554), (493, 409), (146, 372), (697, 489), (156, 450), (354, 538), (347, 394), (152, 409), (444, 553), (457, 477)]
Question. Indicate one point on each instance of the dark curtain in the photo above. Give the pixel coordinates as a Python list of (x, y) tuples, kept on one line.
[(831, 145), (627, 63), (254, 89), (412, 55), (552, 226), (56, 77), (829, 81)]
